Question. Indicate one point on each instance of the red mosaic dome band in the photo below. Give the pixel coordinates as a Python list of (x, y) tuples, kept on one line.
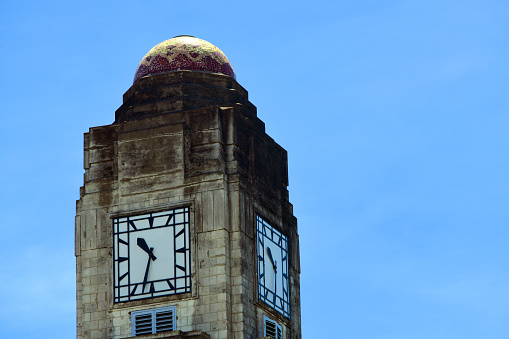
[(184, 53)]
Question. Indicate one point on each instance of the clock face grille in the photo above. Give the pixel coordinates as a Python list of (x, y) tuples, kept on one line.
[(273, 275), (152, 255)]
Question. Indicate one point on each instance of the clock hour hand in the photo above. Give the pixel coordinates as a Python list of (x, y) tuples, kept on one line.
[(274, 264), (143, 244)]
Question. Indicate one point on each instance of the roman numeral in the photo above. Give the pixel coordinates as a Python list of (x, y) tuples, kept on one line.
[(170, 284), (179, 233), (132, 225), (169, 219), (134, 290), (122, 277)]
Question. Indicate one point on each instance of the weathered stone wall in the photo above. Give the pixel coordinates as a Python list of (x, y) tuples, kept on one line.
[(218, 161)]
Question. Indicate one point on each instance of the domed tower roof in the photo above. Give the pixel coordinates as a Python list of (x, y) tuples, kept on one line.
[(184, 52)]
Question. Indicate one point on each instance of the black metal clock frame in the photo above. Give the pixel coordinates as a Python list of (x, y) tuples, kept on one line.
[(181, 280), (266, 231)]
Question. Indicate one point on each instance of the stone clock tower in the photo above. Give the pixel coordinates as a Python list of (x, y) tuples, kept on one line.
[(184, 228)]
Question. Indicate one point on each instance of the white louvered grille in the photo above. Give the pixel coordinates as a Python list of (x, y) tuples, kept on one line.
[(153, 321), (164, 321), (143, 324), (270, 329)]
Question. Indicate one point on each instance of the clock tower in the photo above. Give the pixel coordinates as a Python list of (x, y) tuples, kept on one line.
[(184, 228)]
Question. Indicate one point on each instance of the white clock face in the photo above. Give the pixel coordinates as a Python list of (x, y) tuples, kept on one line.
[(151, 255), (272, 254)]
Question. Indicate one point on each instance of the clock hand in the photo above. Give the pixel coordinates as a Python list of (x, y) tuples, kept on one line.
[(143, 244), (275, 290), (274, 266), (150, 255)]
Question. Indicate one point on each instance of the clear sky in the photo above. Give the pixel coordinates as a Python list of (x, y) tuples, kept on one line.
[(394, 113)]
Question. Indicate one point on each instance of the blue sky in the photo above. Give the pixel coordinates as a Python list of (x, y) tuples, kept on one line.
[(394, 115)]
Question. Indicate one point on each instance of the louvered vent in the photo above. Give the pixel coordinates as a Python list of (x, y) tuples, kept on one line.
[(272, 329), (153, 321), (164, 321), (143, 324)]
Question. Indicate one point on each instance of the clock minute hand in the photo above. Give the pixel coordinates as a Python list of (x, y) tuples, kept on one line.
[(148, 267), (143, 244), (274, 266)]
